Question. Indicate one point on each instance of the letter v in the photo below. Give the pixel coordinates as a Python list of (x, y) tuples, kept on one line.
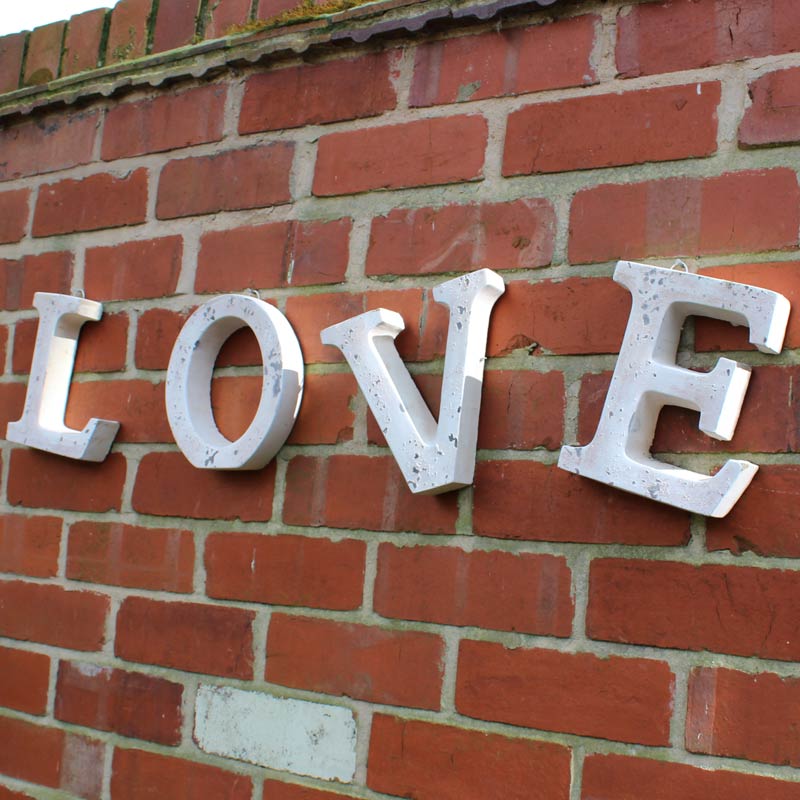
[(433, 457)]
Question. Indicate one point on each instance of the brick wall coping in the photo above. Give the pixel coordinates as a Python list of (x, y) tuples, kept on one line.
[(254, 43)]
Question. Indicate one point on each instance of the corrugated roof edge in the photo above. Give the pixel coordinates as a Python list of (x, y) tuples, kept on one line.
[(359, 24)]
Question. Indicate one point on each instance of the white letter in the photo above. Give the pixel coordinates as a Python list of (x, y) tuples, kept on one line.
[(61, 318), (433, 457), (647, 378), (191, 367)]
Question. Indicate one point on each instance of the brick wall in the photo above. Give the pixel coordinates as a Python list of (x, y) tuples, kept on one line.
[(165, 631)]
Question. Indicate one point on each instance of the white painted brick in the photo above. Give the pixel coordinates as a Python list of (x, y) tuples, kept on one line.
[(281, 733)]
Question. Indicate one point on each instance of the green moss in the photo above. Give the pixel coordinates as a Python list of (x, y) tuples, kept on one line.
[(304, 12)]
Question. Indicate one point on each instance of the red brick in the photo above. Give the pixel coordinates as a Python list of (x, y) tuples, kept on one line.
[(29, 545), (273, 255), (735, 212), (127, 33), (622, 699), (36, 612), (530, 501), (13, 215), (774, 116), (684, 34), (297, 96), (11, 50), (516, 235), (401, 668), (285, 570), (12, 402), (138, 775), (744, 611), (7, 794), (3, 346), (326, 414), (167, 485), (82, 42), (277, 790), (43, 56), (65, 483), (52, 757), (164, 122), (612, 777), (272, 8), (137, 404), (26, 678), (128, 555), (569, 317), (134, 270), (225, 15), (419, 153), (781, 276), (156, 333), (252, 178), (127, 703), (45, 144), (509, 62), (102, 346), (438, 762), (193, 637), (487, 589), (426, 321), (766, 520), (45, 272), (319, 491), (175, 24), (99, 201), (612, 130)]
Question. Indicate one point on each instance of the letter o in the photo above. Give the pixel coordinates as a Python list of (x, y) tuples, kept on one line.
[(191, 367)]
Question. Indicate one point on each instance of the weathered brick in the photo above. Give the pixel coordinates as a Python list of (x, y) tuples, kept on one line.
[(252, 178), (735, 212), (400, 668), (319, 492), (52, 757), (277, 790), (684, 34), (26, 679), (285, 570), (45, 144), (439, 762), (622, 699), (515, 235), (7, 794), (774, 116), (419, 153), (139, 775), (745, 611), (82, 42), (164, 122), (508, 62), (12, 48), (571, 317), (29, 545), (127, 33), (44, 272), (175, 24), (224, 15), (613, 130), (156, 333), (127, 703), (296, 96), (12, 403), (613, 777), (134, 270), (99, 201), (531, 501), (43, 56), (273, 255), (781, 276), (194, 637), (326, 415), (65, 483), (487, 589), (267, 9), (167, 485), (127, 555), (766, 520), (36, 612), (13, 215)]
